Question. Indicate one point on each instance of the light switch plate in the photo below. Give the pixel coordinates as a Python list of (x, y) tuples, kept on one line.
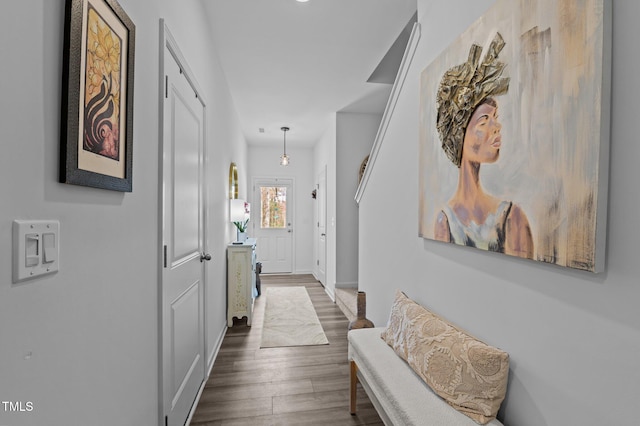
[(36, 248)]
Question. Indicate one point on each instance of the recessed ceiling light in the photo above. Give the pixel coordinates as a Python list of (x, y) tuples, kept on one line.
[(302, 1)]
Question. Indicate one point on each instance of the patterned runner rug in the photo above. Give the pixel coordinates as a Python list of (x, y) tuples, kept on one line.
[(290, 319)]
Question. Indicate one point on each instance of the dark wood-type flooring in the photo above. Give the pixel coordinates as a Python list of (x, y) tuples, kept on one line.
[(306, 385)]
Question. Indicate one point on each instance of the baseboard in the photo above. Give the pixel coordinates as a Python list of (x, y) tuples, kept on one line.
[(347, 285), (216, 349), (331, 293), (315, 275), (211, 361)]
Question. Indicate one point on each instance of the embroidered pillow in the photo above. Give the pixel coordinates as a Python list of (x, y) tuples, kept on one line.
[(468, 374)]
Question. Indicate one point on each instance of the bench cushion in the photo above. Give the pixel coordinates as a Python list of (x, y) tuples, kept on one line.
[(398, 393), (469, 374)]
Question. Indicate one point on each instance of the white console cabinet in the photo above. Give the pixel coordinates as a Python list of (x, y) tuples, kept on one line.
[(241, 280)]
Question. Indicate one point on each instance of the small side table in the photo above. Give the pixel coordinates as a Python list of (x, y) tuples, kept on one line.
[(241, 280)]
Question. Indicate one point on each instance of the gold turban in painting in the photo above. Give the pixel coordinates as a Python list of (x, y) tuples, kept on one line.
[(462, 89)]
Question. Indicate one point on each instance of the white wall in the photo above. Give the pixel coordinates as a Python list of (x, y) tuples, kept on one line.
[(324, 157), (225, 144), (355, 134), (92, 329), (341, 149), (573, 337), (265, 163)]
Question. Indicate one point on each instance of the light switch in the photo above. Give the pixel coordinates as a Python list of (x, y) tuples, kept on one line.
[(49, 249), (31, 249), (36, 248)]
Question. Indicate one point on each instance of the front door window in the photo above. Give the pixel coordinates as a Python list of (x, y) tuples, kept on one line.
[(273, 207)]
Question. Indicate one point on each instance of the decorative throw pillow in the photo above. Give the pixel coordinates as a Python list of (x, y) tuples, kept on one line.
[(468, 374)]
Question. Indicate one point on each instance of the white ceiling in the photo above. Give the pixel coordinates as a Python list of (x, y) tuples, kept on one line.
[(294, 64)]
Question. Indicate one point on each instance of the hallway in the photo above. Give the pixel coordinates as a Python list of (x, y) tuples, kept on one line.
[(306, 385)]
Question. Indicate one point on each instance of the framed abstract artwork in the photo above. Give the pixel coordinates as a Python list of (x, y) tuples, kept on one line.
[(514, 134), (96, 145)]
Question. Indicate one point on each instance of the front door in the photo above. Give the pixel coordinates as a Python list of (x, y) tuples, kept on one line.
[(183, 282), (272, 217)]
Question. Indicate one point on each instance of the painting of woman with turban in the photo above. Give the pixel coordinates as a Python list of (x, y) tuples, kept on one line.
[(469, 129), (514, 134)]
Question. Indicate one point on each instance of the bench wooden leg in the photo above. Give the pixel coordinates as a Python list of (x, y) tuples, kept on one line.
[(353, 376)]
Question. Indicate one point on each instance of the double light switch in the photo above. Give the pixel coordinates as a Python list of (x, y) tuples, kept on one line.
[(36, 248)]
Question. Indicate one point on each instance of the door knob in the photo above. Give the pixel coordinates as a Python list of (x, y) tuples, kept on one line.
[(205, 256)]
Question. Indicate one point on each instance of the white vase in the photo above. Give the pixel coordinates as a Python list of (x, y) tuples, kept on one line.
[(242, 236)]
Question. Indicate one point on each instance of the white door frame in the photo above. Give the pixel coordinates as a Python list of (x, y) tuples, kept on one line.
[(168, 45), (321, 228), (255, 211)]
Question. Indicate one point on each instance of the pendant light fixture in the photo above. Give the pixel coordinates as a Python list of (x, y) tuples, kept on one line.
[(284, 159)]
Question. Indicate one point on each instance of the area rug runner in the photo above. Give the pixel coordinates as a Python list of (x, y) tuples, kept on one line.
[(290, 319)]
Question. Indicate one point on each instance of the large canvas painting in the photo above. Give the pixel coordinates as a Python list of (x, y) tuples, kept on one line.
[(514, 134)]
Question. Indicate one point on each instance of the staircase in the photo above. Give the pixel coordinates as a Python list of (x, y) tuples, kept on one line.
[(346, 299)]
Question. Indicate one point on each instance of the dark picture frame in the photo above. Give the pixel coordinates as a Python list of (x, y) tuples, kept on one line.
[(96, 126)]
